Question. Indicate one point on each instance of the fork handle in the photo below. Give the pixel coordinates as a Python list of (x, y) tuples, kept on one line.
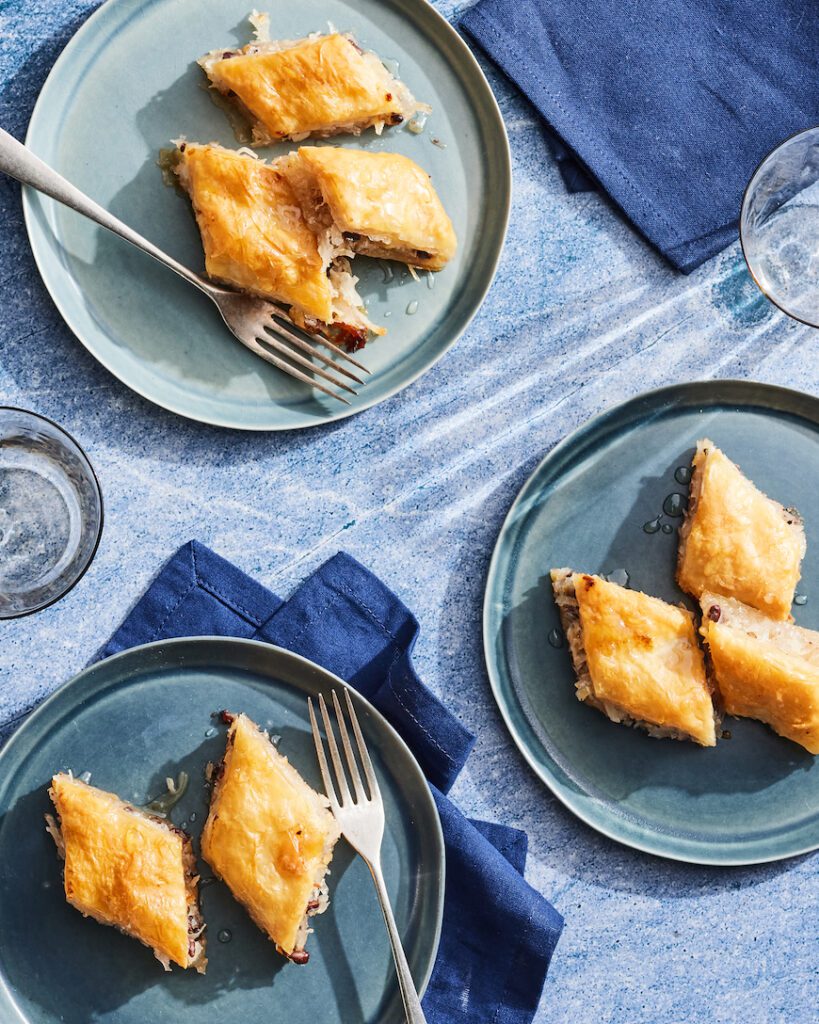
[(19, 162), (412, 1004)]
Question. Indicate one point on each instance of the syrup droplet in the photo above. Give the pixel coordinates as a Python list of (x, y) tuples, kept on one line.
[(412, 308), (556, 638), (682, 474), (210, 732), (193, 816), (618, 576), (209, 880), (418, 122), (668, 528), (389, 273), (800, 599), (225, 935), (85, 777), (674, 505), (391, 65), (652, 526), (726, 734), (173, 794), (388, 313), (430, 280)]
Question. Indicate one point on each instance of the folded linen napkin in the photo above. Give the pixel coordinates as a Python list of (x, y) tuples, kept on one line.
[(670, 106), (498, 933)]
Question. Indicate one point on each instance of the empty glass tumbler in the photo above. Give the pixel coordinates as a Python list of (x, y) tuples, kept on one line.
[(779, 226), (51, 512)]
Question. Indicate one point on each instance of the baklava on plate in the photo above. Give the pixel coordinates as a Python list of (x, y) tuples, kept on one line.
[(735, 540), (375, 204), (129, 869), (269, 837), (256, 239), (764, 668), (636, 658), (321, 85)]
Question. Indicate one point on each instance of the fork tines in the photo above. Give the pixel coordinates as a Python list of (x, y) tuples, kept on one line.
[(288, 343), (342, 789)]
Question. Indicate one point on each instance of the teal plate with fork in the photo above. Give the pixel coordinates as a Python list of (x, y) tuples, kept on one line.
[(608, 500), (145, 715), (128, 83)]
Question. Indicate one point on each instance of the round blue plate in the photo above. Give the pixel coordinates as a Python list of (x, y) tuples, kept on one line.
[(595, 503), (127, 84), (146, 714)]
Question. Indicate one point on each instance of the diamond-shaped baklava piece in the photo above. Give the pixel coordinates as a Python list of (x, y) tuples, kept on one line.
[(321, 85), (737, 541), (636, 658), (269, 837), (764, 668), (130, 869), (378, 204)]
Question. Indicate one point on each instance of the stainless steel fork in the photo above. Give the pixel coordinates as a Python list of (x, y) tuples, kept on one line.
[(260, 326), (361, 819)]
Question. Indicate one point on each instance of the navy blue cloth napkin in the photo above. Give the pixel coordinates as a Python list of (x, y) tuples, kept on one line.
[(670, 105), (498, 932)]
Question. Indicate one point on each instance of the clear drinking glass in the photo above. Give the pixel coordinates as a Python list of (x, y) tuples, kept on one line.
[(779, 226), (50, 512)]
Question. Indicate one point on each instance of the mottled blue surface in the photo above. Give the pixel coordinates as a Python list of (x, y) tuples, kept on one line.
[(581, 315)]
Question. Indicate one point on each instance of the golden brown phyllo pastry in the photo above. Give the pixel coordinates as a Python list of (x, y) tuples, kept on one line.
[(269, 837), (635, 657), (256, 239), (735, 540), (129, 869), (764, 668), (375, 204), (321, 85)]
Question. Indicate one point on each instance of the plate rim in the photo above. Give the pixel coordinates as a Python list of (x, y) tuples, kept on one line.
[(709, 392), (273, 651), (39, 245)]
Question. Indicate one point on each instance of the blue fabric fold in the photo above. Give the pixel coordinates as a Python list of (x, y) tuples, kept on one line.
[(499, 933), (668, 107)]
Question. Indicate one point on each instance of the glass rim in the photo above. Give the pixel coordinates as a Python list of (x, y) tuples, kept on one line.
[(99, 527), (743, 205)]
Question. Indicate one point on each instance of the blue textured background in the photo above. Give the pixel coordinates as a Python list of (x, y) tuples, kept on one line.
[(581, 316)]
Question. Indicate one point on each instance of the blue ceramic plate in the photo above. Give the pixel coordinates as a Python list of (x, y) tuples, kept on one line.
[(596, 504), (146, 714), (127, 83)]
